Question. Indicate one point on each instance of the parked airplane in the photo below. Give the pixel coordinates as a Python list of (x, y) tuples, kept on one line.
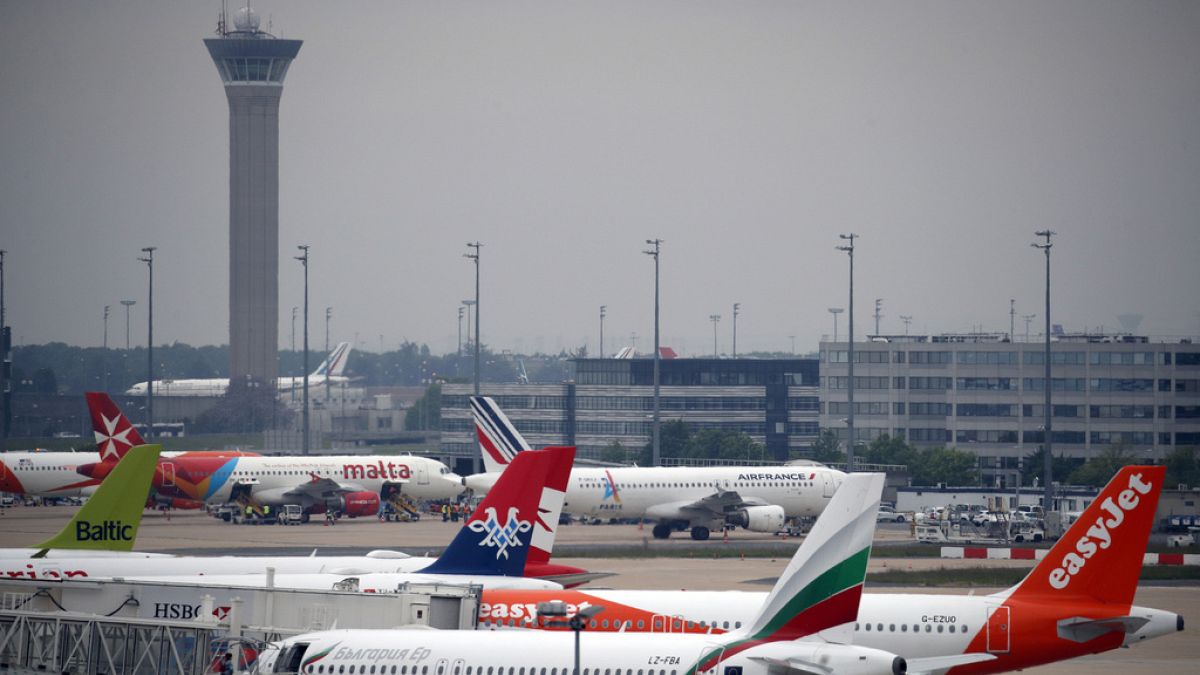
[(352, 484), (106, 524), (509, 495), (758, 498), (490, 550), (816, 598), (329, 372), (1077, 601), (57, 474)]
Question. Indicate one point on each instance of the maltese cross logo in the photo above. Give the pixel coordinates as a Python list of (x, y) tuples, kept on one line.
[(110, 441), (501, 535)]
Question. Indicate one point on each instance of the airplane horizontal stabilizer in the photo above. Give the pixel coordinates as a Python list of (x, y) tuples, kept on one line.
[(1083, 629)]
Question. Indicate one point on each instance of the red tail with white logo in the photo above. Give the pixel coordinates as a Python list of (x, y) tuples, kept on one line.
[(1100, 556), (115, 434)]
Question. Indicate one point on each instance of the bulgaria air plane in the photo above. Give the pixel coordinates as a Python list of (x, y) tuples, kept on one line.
[(1077, 601), (803, 625), (758, 498)]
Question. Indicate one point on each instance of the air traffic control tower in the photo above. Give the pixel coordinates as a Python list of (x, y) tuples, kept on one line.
[(252, 65)]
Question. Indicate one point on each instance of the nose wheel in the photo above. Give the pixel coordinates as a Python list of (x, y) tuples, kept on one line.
[(661, 531), (700, 533)]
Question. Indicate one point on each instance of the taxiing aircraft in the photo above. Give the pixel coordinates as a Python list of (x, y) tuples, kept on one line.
[(1076, 601), (758, 498), (329, 372), (803, 626)]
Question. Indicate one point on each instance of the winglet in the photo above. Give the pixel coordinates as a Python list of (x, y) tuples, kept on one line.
[(496, 538), (1100, 556), (110, 518), (498, 438), (115, 434), (822, 585)]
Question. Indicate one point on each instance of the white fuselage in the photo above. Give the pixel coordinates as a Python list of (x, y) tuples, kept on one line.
[(447, 652), (367, 582), (629, 492), (421, 477), (217, 386), (46, 474), (62, 564)]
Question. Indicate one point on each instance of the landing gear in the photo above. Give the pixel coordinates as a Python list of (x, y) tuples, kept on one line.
[(661, 531), (700, 533)]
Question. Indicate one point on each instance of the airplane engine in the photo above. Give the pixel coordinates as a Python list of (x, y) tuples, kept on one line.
[(760, 518), (360, 504)]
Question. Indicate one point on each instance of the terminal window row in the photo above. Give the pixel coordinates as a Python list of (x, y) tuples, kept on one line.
[(1098, 384), (1012, 358)]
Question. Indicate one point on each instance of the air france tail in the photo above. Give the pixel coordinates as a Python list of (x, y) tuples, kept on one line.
[(110, 518), (498, 438), (115, 434), (335, 363), (1100, 556), (496, 539), (820, 590)]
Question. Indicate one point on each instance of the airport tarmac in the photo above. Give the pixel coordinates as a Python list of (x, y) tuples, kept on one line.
[(585, 546)]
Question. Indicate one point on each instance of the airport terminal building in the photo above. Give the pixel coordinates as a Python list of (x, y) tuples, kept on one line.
[(773, 400), (985, 394)]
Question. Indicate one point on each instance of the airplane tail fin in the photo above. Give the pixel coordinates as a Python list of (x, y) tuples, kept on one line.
[(335, 363), (498, 438), (821, 587), (496, 538), (545, 528), (1100, 556), (109, 520), (115, 434)]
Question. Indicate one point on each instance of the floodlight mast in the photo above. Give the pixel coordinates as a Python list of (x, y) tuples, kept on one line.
[(1048, 462), (849, 249), (655, 443)]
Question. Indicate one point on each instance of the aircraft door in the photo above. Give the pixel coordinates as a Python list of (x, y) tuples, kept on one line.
[(459, 667), (998, 625), (168, 474), (660, 623), (827, 480), (422, 475)]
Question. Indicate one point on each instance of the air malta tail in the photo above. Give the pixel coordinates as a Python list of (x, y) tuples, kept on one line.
[(496, 538), (498, 437), (110, 518), (115, 434)]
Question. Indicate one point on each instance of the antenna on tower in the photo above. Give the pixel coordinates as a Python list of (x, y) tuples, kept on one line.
[(221, 19)]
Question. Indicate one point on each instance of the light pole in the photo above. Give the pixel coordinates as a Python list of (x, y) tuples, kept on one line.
[(835, 311), (294, 310), (736, 306), (793, 338), (577, 623), (603, 313), (715, 319), (149, 260), (849, 249), (328, 316), (105, 347), (5, 358), (303, 258), (474, 257), (468, 304), (878, 313), (460, 318), (655, 445), (1048, 465), (127, 304), (1012, 319), (1028, 319)]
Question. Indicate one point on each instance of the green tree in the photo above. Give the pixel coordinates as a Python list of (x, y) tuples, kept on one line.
[(426, 413), (827, 448), (673, 441), (1183, 466), (943, 465), (1033, 466), (888, 450), (614, 453), (727, 445), (1100, 469)]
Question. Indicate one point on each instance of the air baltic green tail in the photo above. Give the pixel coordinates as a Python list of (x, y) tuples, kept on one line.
[(110, 518)]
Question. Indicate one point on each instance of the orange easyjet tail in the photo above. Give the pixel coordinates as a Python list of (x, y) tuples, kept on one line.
[(1100, 556)]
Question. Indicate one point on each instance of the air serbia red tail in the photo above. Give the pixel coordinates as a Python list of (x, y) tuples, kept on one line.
[(496, 539)]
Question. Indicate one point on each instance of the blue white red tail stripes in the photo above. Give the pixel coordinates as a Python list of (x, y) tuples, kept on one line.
[(335, 363), (496, 538), (498, 438)]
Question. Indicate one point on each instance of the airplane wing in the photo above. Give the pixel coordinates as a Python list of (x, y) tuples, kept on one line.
[(790, 666), (934, 664), (719, 504), (320, 488)]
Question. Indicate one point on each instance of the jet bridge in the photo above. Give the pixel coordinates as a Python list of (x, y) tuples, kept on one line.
[(90, 627)]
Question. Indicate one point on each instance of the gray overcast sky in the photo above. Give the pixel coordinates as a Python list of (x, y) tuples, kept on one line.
[(562, 135)]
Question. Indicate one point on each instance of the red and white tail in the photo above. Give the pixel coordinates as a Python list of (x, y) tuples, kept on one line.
[(498, 438), (1100, 556), (115, 434), (549, 509)]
